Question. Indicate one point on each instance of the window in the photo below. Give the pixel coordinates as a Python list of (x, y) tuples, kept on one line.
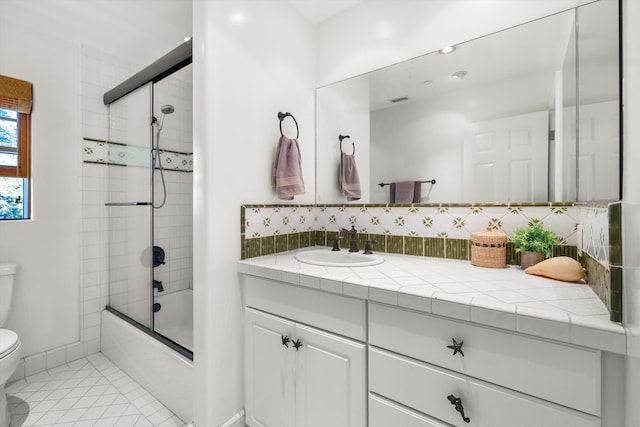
[(15, 142)]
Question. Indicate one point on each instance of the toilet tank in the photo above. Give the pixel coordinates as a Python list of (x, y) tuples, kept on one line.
[(7, 273)]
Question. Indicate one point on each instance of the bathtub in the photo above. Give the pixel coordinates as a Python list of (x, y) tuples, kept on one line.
[(174, 320), (162, 371)]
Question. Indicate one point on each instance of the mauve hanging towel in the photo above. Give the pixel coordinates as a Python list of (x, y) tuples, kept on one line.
[(287, 169), (348, 179), (405, 192)]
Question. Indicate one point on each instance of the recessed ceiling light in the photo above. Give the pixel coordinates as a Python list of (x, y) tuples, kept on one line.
[(236, 17), (447, 49), (459, 74)]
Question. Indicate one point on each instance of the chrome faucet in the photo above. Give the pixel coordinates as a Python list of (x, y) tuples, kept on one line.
[(353, 238)]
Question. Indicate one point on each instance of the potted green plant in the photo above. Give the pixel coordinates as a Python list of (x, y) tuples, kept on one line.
[(534, 243)]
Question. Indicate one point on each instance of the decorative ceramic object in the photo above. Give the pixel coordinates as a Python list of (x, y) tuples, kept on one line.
[(560, 268)]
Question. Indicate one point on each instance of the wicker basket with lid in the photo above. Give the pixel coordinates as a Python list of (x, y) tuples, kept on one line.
[(489, 248)]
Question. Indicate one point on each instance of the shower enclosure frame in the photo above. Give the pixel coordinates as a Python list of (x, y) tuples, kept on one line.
[(173, 61)]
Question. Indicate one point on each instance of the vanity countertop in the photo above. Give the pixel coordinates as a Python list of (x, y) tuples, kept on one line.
[(505, 298)]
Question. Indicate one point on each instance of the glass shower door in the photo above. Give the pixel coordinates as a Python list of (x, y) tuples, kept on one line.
[(130, 206), (173, 206)]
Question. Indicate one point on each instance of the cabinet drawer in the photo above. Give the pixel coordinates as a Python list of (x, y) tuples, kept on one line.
[(426, 388), (384, 413), (567, 375), (335, 313)]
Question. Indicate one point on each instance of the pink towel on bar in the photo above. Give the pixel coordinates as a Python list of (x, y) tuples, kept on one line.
[(406, 192), (287, 169), (348, 179)]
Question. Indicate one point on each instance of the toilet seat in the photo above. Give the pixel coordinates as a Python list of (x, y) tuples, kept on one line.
[(8, 342)]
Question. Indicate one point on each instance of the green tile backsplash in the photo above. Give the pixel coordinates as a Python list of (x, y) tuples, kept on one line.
[(615, 234), (457, 249), (414, 245), (434, 247)]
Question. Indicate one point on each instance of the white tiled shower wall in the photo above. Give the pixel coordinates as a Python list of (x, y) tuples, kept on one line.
[(100, 72)]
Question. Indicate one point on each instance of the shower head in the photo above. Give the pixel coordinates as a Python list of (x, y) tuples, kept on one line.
[(167, 109)]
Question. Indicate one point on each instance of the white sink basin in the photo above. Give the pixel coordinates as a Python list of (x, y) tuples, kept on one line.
[(342, 258)]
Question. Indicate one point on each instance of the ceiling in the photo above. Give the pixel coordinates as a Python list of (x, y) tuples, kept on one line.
[(316, 11)]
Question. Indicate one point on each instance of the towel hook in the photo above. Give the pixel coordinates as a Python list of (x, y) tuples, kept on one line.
[(341, 137), (282, 116)]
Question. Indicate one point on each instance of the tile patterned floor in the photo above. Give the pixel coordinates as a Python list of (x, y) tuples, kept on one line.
[(90, 391)]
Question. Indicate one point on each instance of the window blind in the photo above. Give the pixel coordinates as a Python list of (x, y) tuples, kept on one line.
[(16, 95)]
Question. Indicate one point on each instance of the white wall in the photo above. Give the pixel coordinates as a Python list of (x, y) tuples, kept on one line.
[(244, 74), (45, 309), (631, 204)]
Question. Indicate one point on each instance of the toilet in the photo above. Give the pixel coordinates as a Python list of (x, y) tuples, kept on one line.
[(10, 347)]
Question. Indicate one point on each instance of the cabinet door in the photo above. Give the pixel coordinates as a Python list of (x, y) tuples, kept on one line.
[(269, 376), (331, 380)]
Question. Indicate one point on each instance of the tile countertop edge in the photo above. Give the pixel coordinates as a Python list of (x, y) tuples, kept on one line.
[(557, 325)]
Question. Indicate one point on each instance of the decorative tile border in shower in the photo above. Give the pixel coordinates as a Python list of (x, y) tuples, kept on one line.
[(118, 154)]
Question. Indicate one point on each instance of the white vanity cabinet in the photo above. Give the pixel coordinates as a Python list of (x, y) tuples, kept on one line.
[(468, 375), (305, 359), (367, 359)]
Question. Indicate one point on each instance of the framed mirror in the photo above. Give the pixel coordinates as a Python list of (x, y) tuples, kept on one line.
[(528, 114)]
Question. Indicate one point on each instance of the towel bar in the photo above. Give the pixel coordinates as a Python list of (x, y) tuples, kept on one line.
[(432, 181)]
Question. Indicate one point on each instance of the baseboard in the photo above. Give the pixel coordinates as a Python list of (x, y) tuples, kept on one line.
[(236, 421)]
